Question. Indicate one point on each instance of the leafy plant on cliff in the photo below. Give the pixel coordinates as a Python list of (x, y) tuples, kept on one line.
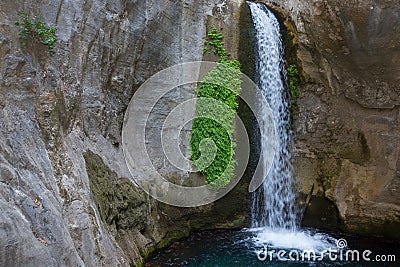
[(223, 84), (293, 75), (33, 27)]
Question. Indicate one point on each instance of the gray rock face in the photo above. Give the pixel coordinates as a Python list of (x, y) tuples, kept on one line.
[(61, 120), (347, 124)]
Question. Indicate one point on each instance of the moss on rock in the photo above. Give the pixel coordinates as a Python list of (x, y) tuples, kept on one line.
[(121, 205)]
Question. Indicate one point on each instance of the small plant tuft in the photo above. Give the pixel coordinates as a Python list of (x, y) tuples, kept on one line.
[(293, 76), (214, 43), (33, 27)]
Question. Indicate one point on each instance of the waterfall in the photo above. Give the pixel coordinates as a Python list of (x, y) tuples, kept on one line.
[(273, 202)]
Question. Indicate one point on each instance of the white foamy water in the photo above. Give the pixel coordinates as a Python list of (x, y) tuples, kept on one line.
[(304, 240)]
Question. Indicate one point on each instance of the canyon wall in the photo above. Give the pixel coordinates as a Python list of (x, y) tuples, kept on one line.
[(66, 195), (67, 198)]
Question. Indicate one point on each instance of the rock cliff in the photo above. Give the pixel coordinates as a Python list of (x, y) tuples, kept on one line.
[(65, 191), (66, 195)]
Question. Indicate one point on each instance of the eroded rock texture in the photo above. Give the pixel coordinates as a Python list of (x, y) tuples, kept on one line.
[(347, 126), (65, 193)]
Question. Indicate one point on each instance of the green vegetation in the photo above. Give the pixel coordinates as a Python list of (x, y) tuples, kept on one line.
[(32, 27), (215, 111), (293, 76), (214, 44)]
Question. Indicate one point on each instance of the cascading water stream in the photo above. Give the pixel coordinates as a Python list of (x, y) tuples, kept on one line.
[(273, 202), (273, 207)]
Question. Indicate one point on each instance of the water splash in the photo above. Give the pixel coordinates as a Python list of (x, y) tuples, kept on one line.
[(302, 240), (273, 202)]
